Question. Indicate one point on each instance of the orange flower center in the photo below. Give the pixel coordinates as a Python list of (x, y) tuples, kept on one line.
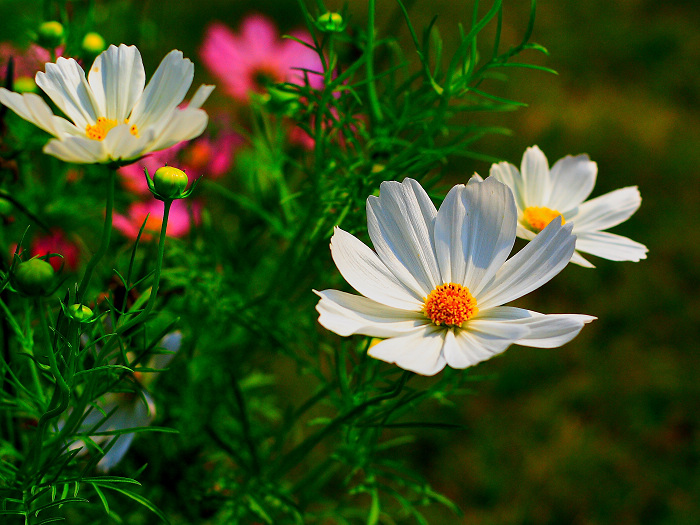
[(99, 130), (450, 304), (538, 217)]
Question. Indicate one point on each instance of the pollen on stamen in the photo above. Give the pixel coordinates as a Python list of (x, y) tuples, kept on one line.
[(450, 304), (538, 217), (99, 130)]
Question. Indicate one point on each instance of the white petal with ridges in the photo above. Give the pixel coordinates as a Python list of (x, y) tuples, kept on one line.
[(122, 145), (366, 273), (419, 351), (64, 82), (610, 246), (511, 177), (31, 107), (572, 180), (480, 340), (535, 173), (347, 314), (200, 96), (117, 79), (166, 89), (540, 260), (607, 210), (79, 150), (400, 224), (184, 124), (543, 331), (475, 232)]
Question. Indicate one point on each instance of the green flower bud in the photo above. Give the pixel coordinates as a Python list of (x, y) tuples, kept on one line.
[(331, 22), (79, 312), (169, 182), (93, 44), (50, 34), (33, 277), (24, 85)]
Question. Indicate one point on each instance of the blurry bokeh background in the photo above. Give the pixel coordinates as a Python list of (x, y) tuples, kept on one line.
[(604, 430)]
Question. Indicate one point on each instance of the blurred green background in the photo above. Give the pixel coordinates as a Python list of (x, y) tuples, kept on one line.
[(605, 429)]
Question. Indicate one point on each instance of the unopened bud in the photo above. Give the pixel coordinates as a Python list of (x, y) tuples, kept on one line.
[(33, 277), (93, 44), (79, 312), (50, 34), (24, 85), (331, 22), (169, 182)]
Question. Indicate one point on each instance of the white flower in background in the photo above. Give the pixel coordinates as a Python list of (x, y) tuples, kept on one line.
[(542, 194), (127, 409), (112, 117), (435, 286)]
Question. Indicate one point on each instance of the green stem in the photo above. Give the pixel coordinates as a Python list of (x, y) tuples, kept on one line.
[(156, 278), (104, 243), (62, 391), (377, 115)]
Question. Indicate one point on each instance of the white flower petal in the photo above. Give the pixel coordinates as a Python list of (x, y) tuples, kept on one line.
[(32, 107), (479, 340), (610, 246), (572, 180), (347, 314), (419, 351), (79, 150), (535, 174), (200, 96), (607, 210), (64, 82), (400, 224), (184, 124), (122, 145), (475, 232), (166, 89), (117, 78), (577, 258), (540, 260), (367, 274), (510, 176), (544, 331)]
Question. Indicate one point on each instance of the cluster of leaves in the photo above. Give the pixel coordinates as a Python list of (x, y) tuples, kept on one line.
[(239, 289)]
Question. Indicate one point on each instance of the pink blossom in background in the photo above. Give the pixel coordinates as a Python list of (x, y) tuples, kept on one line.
[(246, 61), (57, 242), (202, 156), (27, 61), (179, 221), (211, 157)]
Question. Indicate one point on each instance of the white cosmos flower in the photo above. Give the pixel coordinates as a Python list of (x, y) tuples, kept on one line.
[(435, 286), (542, 194), (112, 117)]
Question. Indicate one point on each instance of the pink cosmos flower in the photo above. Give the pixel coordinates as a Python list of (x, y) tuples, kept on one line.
[(179, 221), (57, 242), (27, 61), (247, 61)]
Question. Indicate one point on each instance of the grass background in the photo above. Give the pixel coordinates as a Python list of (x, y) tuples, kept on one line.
[(605, 429)]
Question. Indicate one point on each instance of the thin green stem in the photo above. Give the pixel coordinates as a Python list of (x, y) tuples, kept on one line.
[(377, 115), (104, 243), (156, 277)]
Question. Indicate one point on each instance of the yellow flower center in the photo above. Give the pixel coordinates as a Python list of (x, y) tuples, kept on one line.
[(538, 217), (450, 304), (99, 130)]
